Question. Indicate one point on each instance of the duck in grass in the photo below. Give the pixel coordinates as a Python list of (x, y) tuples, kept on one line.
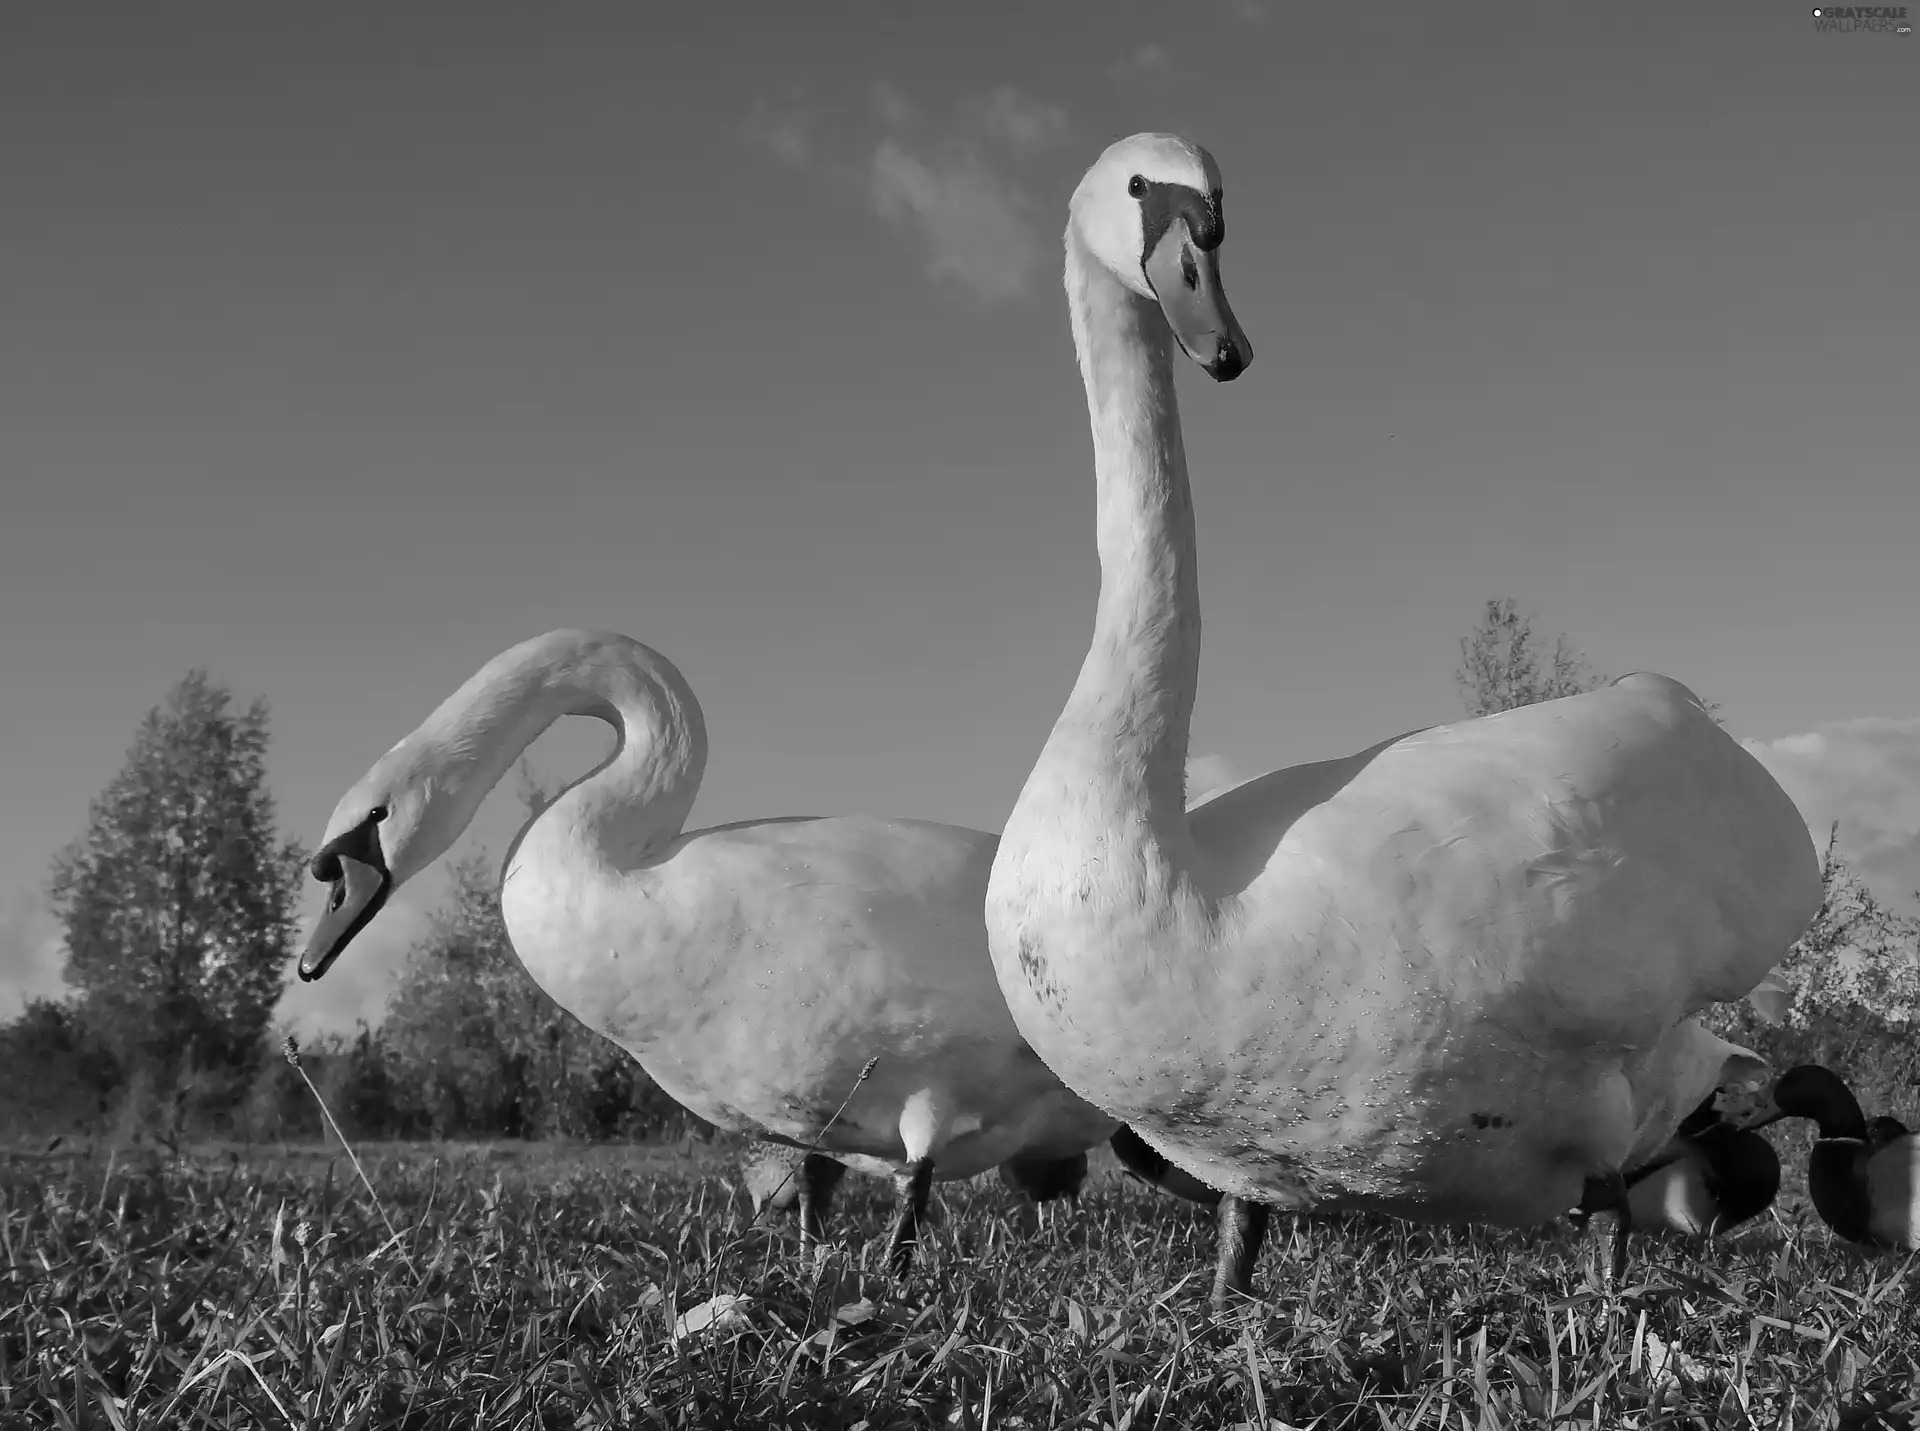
[(1708, 1177), (779, 1179), (1864, 1176)]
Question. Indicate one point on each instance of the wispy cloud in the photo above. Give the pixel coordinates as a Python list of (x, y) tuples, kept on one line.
[(1251, 11), (1025, 125), (970, 226), (952, 187), (785, 134), (1865, 773), (32, 953), (1150, 59)]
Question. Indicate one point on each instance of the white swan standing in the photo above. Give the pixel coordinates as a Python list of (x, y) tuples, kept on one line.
[(754, 969), (1443, 978)]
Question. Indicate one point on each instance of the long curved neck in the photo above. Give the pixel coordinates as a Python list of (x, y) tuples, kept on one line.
[(636, 800), (1131, 709)]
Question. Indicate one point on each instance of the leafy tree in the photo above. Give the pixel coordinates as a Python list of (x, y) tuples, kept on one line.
[(57, 1071), (365, 1092), (1504, 665), (1855, 980), (179, 900), (1856, 953)]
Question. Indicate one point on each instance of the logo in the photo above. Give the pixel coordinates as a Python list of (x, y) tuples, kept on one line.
[(1871, 19)]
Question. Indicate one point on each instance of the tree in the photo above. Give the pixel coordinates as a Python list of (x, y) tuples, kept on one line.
[(57, 1072), (179, 901), (1504, 665), (1857, 953)]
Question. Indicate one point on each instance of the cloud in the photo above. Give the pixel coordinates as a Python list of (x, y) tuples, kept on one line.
[(1251, 11), (1865, 773), (32, 953), (356, 986), (1149, 59), (1024, 125), (970, 224), (1209, 775), (785, 134), (952, 188), (896, 111), (972, 218)]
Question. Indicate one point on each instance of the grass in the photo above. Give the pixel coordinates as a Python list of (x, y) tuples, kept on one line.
[(537, 1286)]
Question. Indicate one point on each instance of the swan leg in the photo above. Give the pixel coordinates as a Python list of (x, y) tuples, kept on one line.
[(912, 1185), (818, 1176), (1622, 1226), (1243, 1228), (1608, 1193)]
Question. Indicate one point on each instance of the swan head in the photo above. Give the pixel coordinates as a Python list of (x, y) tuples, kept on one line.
[(1149, 212), (399, 818)]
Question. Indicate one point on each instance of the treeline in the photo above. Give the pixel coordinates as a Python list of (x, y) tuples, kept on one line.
[(179, 903)]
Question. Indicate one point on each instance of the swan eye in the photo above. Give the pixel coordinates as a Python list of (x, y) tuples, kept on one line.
[(380, 812), (1189, 270), (1137, 187)]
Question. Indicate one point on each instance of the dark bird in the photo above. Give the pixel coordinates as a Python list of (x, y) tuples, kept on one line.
[(1864, 1177)]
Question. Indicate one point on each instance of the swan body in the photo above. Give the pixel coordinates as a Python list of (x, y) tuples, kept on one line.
[(794, 979), (1448, 977)]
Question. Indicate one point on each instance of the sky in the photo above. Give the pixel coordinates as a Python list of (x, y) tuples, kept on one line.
[(343, 347)]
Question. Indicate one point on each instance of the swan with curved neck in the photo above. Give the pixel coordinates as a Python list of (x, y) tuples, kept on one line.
[(762, 973), (1442, 978)]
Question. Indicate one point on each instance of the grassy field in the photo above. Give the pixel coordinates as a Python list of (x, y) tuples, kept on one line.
[(538, 1286)]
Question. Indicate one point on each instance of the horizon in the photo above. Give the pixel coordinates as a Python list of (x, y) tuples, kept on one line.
[(337, 366)]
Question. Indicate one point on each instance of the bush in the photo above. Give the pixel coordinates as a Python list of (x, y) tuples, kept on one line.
[(58, 1074)]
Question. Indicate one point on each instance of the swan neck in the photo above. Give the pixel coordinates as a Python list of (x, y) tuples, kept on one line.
[(1134, 698), (636, 799)]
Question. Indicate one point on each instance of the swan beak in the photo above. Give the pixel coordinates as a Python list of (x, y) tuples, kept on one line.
[(1186, 280), (353, 865)]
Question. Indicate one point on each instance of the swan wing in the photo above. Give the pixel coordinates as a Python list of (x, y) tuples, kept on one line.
[(1588, 871)]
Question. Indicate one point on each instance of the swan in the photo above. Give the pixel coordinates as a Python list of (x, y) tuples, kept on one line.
[(1437, 978), (813, 981), (1864, 1176)]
